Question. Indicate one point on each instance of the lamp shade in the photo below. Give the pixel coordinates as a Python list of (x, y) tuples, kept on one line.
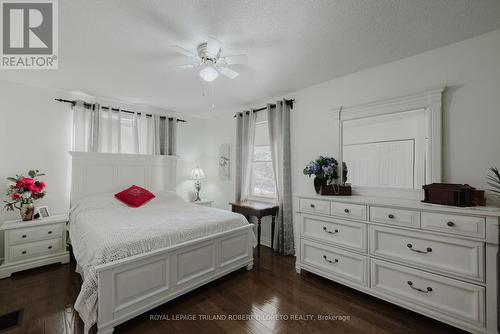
[(197, 174), (208, 73)]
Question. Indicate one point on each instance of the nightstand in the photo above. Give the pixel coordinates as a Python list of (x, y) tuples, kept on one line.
[(204, 202), (33, 243), (259, 210)]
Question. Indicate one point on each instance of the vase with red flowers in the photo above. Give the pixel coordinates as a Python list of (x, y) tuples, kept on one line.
[(23, 192)]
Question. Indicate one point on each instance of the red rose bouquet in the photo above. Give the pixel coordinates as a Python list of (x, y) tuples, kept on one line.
[(24, 190)]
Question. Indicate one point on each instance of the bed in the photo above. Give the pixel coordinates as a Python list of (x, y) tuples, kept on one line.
[(132, 260)]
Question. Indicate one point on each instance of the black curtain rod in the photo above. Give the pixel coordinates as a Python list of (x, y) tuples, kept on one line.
[(289, 102), (88, 105)]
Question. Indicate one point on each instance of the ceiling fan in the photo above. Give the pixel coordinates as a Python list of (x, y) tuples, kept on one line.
[(209, 58)]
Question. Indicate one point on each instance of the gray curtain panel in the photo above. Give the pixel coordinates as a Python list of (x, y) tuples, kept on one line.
[(245, 134), (172, 136), (165, 135), (279, 137), (160, 135)]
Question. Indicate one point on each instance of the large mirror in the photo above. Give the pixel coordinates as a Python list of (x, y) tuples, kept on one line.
[(394, 143)]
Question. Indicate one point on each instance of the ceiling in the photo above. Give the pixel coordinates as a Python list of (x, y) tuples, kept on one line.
[(121, 49)]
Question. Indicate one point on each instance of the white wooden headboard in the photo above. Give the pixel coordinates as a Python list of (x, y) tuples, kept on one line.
[(95, 173)]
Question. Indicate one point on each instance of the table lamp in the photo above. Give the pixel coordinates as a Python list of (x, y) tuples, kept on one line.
[(197, 174)]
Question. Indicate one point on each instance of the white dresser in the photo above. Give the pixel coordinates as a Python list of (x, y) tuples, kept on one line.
[(33, 244), (436, 260)]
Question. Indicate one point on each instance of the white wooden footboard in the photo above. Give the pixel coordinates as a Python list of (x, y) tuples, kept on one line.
[(129, 287)]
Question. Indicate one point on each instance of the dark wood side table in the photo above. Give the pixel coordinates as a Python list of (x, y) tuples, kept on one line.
[(259, 210)]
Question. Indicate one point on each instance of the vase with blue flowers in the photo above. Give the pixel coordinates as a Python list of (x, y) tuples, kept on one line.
[(326, 178)]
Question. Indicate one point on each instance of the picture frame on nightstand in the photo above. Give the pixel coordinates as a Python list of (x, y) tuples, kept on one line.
[(41, 212)]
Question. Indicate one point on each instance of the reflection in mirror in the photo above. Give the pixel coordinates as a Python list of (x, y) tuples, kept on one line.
[(386, 150)]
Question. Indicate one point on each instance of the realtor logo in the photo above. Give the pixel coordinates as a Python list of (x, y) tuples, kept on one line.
[(29, 34)]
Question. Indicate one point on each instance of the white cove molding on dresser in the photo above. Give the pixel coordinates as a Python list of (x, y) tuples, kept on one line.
[(436, 260)]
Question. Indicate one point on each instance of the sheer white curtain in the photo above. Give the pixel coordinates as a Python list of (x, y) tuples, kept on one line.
[(245, 135), (110, 131), (145, 135), (85, 127), (110, 125)]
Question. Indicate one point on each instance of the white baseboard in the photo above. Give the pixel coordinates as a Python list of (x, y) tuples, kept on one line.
[(265, 241), (8, 269)]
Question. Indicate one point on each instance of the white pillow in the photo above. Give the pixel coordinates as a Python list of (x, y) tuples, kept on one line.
[(167, 196)]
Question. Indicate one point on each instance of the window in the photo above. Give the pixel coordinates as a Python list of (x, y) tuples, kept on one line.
[(262, 183)]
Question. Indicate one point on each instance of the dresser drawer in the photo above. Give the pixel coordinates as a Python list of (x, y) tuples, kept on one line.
[(335, 231), (38, 248), (346, 210), (315, 205), (29, 234), (395, 216), (446, 255), (429, 293), (462, 225), (346, 265)]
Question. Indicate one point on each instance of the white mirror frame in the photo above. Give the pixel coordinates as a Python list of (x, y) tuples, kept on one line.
[(430, 101)]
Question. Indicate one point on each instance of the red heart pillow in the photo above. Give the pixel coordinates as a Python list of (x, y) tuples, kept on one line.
[(135, 196)]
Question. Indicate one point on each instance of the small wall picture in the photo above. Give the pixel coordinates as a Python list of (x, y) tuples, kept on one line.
[(224, 161), (42, 212)]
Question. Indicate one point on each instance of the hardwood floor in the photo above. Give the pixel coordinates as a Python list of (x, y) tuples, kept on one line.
[(270, 290)]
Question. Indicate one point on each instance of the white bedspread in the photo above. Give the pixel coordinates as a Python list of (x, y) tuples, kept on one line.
[(103, 230)]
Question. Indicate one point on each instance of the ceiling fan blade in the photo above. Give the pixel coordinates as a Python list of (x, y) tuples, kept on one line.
[(213, 46), (183, 66), (228, 72), (183, 51), (236, 59)]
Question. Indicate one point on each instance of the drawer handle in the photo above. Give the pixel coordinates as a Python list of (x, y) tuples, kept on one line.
[(50, 247), (23, 236), (330, 261), (391, 216), (23, 252), (427, 250), (347, 210), (313, 206), (428, 289), (450, 224), (330, 232), (49, 232)]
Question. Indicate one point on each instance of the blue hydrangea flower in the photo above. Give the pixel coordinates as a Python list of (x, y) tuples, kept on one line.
[(328, 170), (325, 168)]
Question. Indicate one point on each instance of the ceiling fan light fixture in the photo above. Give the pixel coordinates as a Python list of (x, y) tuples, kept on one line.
[(208, 73)]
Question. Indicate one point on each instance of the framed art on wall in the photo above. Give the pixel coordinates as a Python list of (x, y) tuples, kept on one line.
[(224, 162)]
